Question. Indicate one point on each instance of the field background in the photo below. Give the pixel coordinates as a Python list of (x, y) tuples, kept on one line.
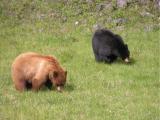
[(94, 91)]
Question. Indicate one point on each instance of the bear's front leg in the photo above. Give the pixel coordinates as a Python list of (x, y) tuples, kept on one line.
[(112, 58), (36, 84), (48, 84), (108, 59)]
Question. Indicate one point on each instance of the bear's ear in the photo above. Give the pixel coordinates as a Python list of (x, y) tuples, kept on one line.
[(118, 36), (53, 74), (126, 45)]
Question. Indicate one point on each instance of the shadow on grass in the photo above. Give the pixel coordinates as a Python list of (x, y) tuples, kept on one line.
[(67, 88), (120, 61)]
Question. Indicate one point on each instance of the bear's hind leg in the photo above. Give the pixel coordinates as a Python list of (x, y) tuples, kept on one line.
[(104, 54), (98, 58)]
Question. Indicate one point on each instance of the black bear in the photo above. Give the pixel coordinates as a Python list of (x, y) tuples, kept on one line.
[(107, 46)]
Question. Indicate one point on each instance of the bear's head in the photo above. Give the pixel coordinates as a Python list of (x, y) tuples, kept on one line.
[(58, 78), (125, 54)]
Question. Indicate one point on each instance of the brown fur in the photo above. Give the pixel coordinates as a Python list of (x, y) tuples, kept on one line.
[(37, 70)]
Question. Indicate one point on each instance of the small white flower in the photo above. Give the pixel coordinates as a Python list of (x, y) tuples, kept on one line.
[(76, 23)]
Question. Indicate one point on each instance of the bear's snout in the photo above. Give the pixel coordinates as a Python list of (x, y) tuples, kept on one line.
[(127, 60), (59, 88)]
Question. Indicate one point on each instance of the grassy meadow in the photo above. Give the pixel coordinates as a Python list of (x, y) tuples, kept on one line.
[(94, 91)]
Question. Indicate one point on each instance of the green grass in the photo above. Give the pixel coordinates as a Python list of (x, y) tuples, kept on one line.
[(94, 91)]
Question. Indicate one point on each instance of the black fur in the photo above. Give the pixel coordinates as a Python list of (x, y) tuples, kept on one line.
[(48, 84), (28, 85), (107, 46)]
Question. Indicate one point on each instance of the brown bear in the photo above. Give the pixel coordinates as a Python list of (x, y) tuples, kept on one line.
[(32, 70)]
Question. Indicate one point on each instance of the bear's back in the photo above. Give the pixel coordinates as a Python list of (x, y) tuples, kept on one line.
[(28, 64), (32, 59), (26, 59), (104, 37)]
